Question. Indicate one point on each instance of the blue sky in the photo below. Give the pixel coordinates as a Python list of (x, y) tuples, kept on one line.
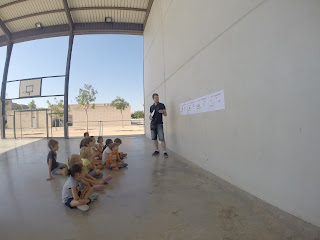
[(113, 64)]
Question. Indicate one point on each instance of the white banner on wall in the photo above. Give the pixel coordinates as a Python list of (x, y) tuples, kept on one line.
[(211, 102)]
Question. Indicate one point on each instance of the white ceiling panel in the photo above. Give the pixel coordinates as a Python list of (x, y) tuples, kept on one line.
[(29, 7), (3, 2), (109, 3), (46, 20), (100, 15)]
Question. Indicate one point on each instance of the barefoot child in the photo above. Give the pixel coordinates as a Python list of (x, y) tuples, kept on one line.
[(54, 166), (113, 160), (96, 184), (71, 194)]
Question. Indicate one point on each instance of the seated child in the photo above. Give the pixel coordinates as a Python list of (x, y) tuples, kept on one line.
[(54, 166), (88, 142), (95, 149), (100, 142), (89, 167), (121, 154), (106, 150), (86, 135), (71, 193), (96, 184), (113, 160)]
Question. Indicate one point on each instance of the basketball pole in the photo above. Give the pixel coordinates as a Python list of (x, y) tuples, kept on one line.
[(3, 89), (66, 87)]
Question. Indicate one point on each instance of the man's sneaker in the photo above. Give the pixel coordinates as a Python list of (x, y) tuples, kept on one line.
[(83, 207), (155, 153), (165, 155)]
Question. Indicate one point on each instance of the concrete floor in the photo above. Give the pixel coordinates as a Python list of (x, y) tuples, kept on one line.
[(153, 199)]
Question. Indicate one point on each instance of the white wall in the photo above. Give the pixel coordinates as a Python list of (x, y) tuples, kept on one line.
[(265, 55)]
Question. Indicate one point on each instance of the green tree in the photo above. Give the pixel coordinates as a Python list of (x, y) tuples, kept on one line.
[(57, 109), (120, 104), (32, 105), (138, 114), (86, 97), (17, 106)]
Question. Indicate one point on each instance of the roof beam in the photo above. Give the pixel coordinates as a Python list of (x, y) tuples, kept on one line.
[(74, 9), (109, 8), (5, 30), (67, 10), (33, 15), (147, 13), (78, 29), (11, 3)]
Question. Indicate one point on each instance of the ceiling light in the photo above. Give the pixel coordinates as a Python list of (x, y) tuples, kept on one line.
[(38, 25), (108, 19)]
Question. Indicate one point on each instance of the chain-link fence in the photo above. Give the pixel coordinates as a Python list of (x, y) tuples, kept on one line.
[(41, 123), (106, 128)]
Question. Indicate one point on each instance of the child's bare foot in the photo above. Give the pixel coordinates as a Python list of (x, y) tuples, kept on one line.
[(107, 179), (50, 178), (101, 182), (98, 187)]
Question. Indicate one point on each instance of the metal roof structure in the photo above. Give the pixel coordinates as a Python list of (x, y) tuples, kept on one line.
[(24, 20)]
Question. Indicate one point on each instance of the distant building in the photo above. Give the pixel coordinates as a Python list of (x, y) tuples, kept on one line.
[(77, 116)]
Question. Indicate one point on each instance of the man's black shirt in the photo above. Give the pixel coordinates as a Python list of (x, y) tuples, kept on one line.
[(157, 117)]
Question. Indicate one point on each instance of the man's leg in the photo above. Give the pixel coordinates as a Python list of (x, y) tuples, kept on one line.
[(163, 145), (155, 142), (161, 138), (156, 145)]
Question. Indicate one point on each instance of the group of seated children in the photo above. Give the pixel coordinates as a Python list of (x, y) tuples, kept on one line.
[(85, 170)]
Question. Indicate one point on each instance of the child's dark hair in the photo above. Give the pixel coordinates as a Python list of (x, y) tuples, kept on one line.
[(112, 145), (108, 141), (84, 142), (86, 134), (118, 140), (155, 94), (100, 137), (75, 168), (52, 143)]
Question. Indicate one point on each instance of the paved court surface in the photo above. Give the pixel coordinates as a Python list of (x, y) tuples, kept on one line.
[(153, 199)]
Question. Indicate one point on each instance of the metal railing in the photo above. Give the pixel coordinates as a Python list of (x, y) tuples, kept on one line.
[(101, 128)]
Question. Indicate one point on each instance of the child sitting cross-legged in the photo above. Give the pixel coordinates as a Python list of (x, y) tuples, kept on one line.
[(54, 166), (113, 160), (100, 142), (96, 149), (72, 196), (97, 185), (106, 150), (121, 154), (89, 166)]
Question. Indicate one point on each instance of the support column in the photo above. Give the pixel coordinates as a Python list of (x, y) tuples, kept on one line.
[(3, 89), (66, 86)]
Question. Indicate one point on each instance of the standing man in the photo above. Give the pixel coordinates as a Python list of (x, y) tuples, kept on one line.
[(156, 111)]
